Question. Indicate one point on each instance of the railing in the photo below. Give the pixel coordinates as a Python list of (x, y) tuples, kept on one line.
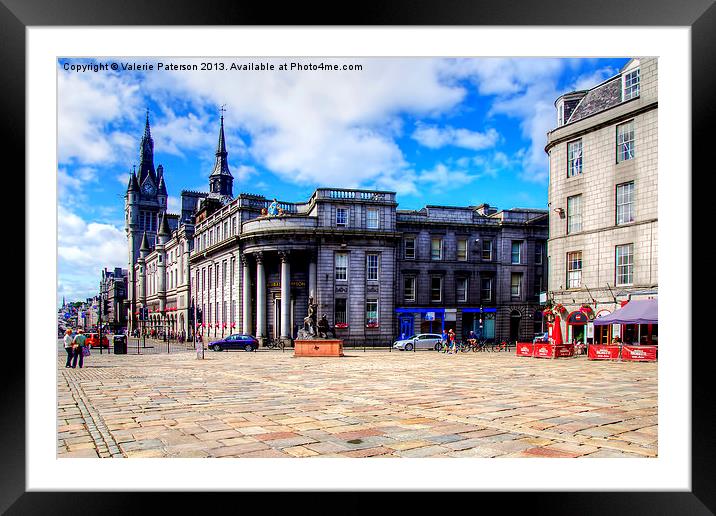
[(349, 194), (278, 223), (259, 204)]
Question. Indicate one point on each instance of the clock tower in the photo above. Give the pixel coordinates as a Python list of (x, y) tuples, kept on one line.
[(145, 201)]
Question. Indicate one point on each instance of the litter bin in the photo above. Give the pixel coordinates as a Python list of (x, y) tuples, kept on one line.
[(120, 345)]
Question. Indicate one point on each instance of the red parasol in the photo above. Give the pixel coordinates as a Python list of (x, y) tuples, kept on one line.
[(557, 330)]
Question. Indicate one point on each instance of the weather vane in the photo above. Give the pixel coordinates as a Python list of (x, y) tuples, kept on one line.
[(222, 109)]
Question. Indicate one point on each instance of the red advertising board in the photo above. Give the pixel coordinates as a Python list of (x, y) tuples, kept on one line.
[(639, 353), (563, 350), (598, 352), (543, 350), (524, 349)]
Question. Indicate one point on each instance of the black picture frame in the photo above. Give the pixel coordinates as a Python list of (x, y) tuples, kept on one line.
[(700, 16)]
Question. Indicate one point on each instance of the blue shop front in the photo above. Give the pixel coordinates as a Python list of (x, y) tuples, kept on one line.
[(461, 320)]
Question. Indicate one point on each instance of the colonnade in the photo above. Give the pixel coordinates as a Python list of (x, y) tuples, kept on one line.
[(261, 289)]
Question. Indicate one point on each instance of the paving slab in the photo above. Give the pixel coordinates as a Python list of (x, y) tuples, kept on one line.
[(246, 405)]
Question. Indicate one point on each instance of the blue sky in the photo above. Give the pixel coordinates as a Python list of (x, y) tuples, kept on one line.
[(436, 131)]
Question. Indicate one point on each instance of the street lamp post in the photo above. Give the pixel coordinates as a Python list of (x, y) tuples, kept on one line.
[(99, 321)]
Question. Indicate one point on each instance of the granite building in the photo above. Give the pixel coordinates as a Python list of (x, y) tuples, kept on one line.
[(249, 264), (603, 244), (255, 272), (113, 295), (471, 268)]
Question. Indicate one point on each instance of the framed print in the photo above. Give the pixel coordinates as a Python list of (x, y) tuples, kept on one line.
[(248, 222)]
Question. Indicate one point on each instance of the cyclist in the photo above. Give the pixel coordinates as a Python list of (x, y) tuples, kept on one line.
[(472, 340)]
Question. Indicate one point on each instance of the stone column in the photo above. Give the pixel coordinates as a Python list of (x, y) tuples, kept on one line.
[(246, 300), (285, 295), (260, 298), (312, 275)]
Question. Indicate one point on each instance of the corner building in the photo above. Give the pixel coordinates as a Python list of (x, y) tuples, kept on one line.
[(603, 218)]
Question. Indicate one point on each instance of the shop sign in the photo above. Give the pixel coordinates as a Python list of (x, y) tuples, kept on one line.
[(577, 318), (639, 353), (451, 314), (596, 352), (590, 331), (274, 284), (543, 351), (429, 316), (564, 350), (524, 349)]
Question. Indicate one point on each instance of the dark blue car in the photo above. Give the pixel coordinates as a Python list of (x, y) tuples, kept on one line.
[(236, 341)]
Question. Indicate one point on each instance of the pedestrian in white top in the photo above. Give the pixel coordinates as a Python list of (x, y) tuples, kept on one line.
[(68, 346)]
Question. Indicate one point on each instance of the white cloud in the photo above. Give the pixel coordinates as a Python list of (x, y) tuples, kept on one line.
[(177, 134), (174, 204), (524, 89), (89, 107), (83, 250), (591, 79), (242, 173), (446, 178), (326, 128), (435, 137)]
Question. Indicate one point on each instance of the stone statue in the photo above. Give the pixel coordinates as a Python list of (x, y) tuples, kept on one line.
[(324, 328), (313, 329), (310, 326)]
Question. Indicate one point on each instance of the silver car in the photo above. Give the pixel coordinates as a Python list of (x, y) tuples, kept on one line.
[(420, 341)]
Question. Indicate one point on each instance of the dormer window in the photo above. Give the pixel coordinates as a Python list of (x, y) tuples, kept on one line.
[(560, 113), (630, 83)]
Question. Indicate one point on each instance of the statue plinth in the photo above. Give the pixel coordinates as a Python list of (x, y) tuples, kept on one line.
[(318, 348), (313, 338)]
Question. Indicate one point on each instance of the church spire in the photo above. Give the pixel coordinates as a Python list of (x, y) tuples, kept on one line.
[(147, 132), (220, 180), (146, 155)]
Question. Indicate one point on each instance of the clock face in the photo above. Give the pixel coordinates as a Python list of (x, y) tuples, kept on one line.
[(147, 188)]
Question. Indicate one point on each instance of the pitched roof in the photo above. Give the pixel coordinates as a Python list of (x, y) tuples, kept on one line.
[(601, 97)]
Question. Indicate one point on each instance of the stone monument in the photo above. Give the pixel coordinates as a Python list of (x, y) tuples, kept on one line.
[(313, 338)]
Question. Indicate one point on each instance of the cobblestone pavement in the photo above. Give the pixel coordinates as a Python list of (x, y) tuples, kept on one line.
[(372, 404)]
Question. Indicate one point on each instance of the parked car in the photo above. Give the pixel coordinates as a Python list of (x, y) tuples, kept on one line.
[(93, 340), (419, 341), (236, 341)]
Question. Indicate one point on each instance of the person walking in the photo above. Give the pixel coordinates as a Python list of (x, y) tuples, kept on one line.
[(452, 341), (445, 343), (68, 346), (78, 345)]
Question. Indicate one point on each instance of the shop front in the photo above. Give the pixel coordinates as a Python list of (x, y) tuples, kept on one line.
[(632, 333), (412, 321), (554, 347)]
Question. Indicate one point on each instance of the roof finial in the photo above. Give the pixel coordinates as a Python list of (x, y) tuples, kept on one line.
[(146, 124), (222, 109)]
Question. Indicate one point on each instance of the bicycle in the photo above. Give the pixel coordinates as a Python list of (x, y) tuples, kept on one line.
[(272, 343), (504, 345)]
